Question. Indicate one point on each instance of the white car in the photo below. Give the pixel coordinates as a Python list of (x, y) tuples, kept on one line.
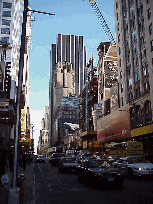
[(139, 167), (135, 166), (41, 158)]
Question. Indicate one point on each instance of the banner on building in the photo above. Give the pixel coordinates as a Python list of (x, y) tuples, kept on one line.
[(116, 125)]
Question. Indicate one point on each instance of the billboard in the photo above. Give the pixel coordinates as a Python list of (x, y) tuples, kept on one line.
[(116, 125)]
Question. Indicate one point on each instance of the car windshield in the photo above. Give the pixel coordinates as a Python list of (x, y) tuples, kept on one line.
[(105, 163), (94, 163), (41, 156), (69, 160)]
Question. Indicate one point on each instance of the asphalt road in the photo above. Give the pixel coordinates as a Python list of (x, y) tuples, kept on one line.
[(57, 188)]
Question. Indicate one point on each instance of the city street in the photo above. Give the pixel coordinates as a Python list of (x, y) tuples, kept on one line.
[(58, 188)]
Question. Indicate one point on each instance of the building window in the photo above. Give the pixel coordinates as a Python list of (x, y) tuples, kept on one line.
[(5, 39), (116, 5), (127, 56), (6, 22), (149, 14), (143, 54), (121, 75), (148, 1), (122, 101), (146, 86), (119, 50), (138, 92), (118, 38), (7, 5), (6, 14), (145, 70), (129, 70), (5, 31), (150, 29), (121, 88), (102, 96), (120, 62), (117, 16), (151, 43), (118, 27), (137, 77)]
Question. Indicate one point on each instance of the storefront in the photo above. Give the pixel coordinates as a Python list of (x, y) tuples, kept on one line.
[(144, 134)]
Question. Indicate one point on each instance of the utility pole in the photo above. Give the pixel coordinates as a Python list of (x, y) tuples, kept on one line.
[(14, 191)]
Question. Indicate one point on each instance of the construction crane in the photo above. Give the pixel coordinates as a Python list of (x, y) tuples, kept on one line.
[(102, 21)]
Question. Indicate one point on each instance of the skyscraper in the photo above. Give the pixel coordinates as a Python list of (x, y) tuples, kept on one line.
[(68, 48), (134, 34)]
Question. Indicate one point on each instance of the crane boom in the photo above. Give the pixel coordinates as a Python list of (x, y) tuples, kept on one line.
[(102, 21)]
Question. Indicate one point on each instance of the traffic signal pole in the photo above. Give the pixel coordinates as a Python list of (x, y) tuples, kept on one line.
[(14, 192)]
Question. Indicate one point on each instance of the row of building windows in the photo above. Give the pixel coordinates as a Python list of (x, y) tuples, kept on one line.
[(7, 22)]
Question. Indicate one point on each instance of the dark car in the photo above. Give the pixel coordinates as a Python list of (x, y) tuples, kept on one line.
[(55, 158), (40, 159), (95, 171), (68, 164)]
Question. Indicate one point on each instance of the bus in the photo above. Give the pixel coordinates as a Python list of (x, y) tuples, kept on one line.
[(124, 149)]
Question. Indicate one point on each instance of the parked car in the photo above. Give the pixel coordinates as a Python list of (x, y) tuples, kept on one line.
[(138, 166), (68, 164), (55, 158), (40, 159), (95, 171)]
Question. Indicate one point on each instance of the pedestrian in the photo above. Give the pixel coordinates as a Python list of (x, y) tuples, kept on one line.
[(10, 158), (3, 164), (24, 161), (29, 159), (20, 160)]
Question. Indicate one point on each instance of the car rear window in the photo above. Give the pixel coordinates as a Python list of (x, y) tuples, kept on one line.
[(69, 160)]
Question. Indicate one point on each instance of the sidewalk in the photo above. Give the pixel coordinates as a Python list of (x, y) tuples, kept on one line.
[(29, 188)]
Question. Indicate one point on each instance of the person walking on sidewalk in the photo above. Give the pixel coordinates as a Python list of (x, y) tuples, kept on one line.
[(10, 158), (24, 161), (2, 165), (29, 159)]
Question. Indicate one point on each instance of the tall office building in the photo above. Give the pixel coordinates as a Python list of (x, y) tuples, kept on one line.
[(134, 34), (68, 48)]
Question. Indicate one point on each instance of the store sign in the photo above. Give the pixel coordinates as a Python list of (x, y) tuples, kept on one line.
[(23, 120), (116, 125)]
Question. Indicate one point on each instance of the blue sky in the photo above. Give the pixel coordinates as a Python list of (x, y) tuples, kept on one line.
[(72, 17)]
